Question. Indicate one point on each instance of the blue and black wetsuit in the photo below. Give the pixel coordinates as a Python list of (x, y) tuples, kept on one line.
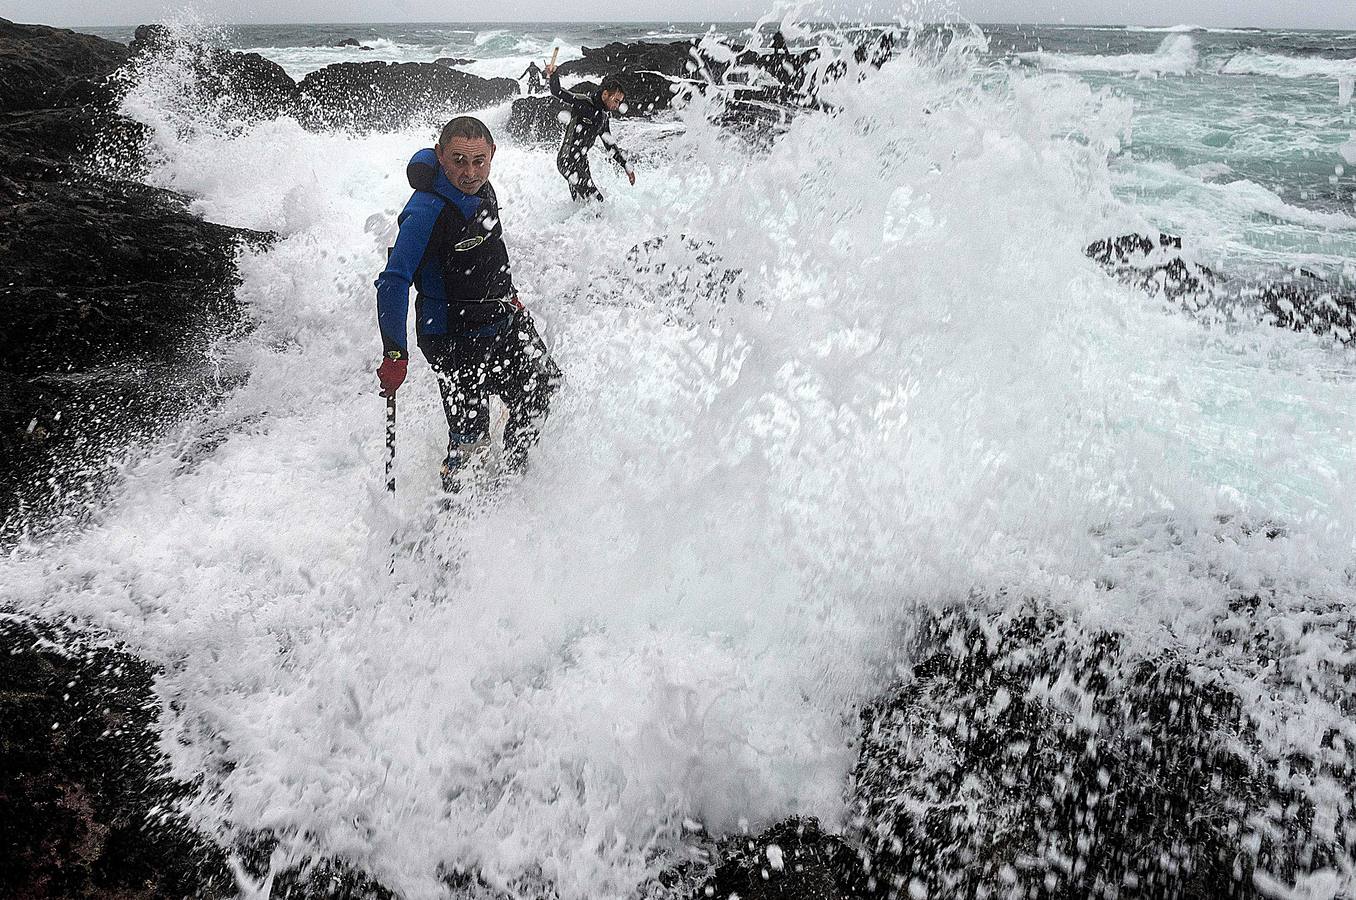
[(469, 325), (588, 122)]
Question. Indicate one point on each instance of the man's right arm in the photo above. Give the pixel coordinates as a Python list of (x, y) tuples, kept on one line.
[(402, 264)]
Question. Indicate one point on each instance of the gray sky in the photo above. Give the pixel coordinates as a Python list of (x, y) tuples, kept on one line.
[(1339, 14)]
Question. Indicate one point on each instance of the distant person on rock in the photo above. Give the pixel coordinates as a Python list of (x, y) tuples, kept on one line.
[(470, 326), (533, 75), (589, 115), (787, 68)]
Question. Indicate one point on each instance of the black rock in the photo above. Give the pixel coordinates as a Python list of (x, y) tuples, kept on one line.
[(1305, 302), (88, 805), (792, 860), (1152, 264), (75, 134), (387, 96), (650, 71), (349, 42), (537, 120), (113, 292), (451, 61), (1300, 301), (1026, 756), (244, 85), (42, 67), (672, 58)]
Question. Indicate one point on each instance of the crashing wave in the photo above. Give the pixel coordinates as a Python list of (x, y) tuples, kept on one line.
[(1277, 65), (1177, 55)]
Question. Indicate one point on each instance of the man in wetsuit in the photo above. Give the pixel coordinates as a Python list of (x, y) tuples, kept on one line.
[(589, 115), (533, 75), (477, 338)]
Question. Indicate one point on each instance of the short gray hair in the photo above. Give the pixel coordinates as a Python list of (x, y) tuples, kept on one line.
[(468, 127)]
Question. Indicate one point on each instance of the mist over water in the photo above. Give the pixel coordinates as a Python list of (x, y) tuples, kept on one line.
[(923, 393)]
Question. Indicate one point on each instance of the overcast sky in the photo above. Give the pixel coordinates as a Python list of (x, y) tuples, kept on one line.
[(1260, 13)]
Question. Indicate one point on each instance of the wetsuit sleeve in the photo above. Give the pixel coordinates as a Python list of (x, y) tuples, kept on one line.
[(611, 144), (580, 101), (393, 284)]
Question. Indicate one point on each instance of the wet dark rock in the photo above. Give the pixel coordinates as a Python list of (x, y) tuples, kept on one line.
[(450, 61), (649, 70), (57, 99), (671, 58), (387, 96), (792, 860), (86, 805), (1152, 264), (1027, 757), (112, 296), (1299, 301), (241, 85), (1304, 302), (537, 120), (42, 67), (112, 291), (349, 42)]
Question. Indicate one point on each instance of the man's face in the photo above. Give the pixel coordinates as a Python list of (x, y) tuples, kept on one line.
[(466, 161), (613, 99)]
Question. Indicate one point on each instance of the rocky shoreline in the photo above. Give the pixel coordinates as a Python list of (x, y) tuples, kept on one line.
[(1135, 774)]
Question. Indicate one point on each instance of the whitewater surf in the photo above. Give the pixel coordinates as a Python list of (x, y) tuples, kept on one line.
[(924, 395)]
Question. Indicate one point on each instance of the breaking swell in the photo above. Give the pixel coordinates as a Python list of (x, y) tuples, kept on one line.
[(867, 433)]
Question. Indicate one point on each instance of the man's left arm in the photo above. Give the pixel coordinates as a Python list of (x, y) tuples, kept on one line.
[(611, 144)]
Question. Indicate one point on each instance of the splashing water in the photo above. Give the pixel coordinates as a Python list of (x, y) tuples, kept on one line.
[(926, 392), (1175, 56)]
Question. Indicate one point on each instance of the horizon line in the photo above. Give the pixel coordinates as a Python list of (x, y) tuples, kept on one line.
[(1064, 24)]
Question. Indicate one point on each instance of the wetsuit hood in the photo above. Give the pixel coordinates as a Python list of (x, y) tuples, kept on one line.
[(422, 170)]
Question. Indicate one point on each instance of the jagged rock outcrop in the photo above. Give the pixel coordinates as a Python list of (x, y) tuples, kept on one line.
[(1026, 753), (86, 807), (1152, 264), (1306, 302), (649, 70), (113, 293), (241, 85), (387, 96), (43, 67), (537, 120), (793, 860), (1026, 756), (58, 97), (112, 290), (1300, 301), (541, 119)]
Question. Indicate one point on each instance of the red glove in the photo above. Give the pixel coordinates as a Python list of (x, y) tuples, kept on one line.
[(391, 374)]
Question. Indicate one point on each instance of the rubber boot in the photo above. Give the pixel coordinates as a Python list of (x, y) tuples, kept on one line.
[(465, 453)]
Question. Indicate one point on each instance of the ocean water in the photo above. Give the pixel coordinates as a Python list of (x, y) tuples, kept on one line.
[(925, 394)]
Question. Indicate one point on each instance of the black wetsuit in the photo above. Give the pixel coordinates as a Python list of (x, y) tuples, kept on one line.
[(476, 337), (533, 75), (588, 122)]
